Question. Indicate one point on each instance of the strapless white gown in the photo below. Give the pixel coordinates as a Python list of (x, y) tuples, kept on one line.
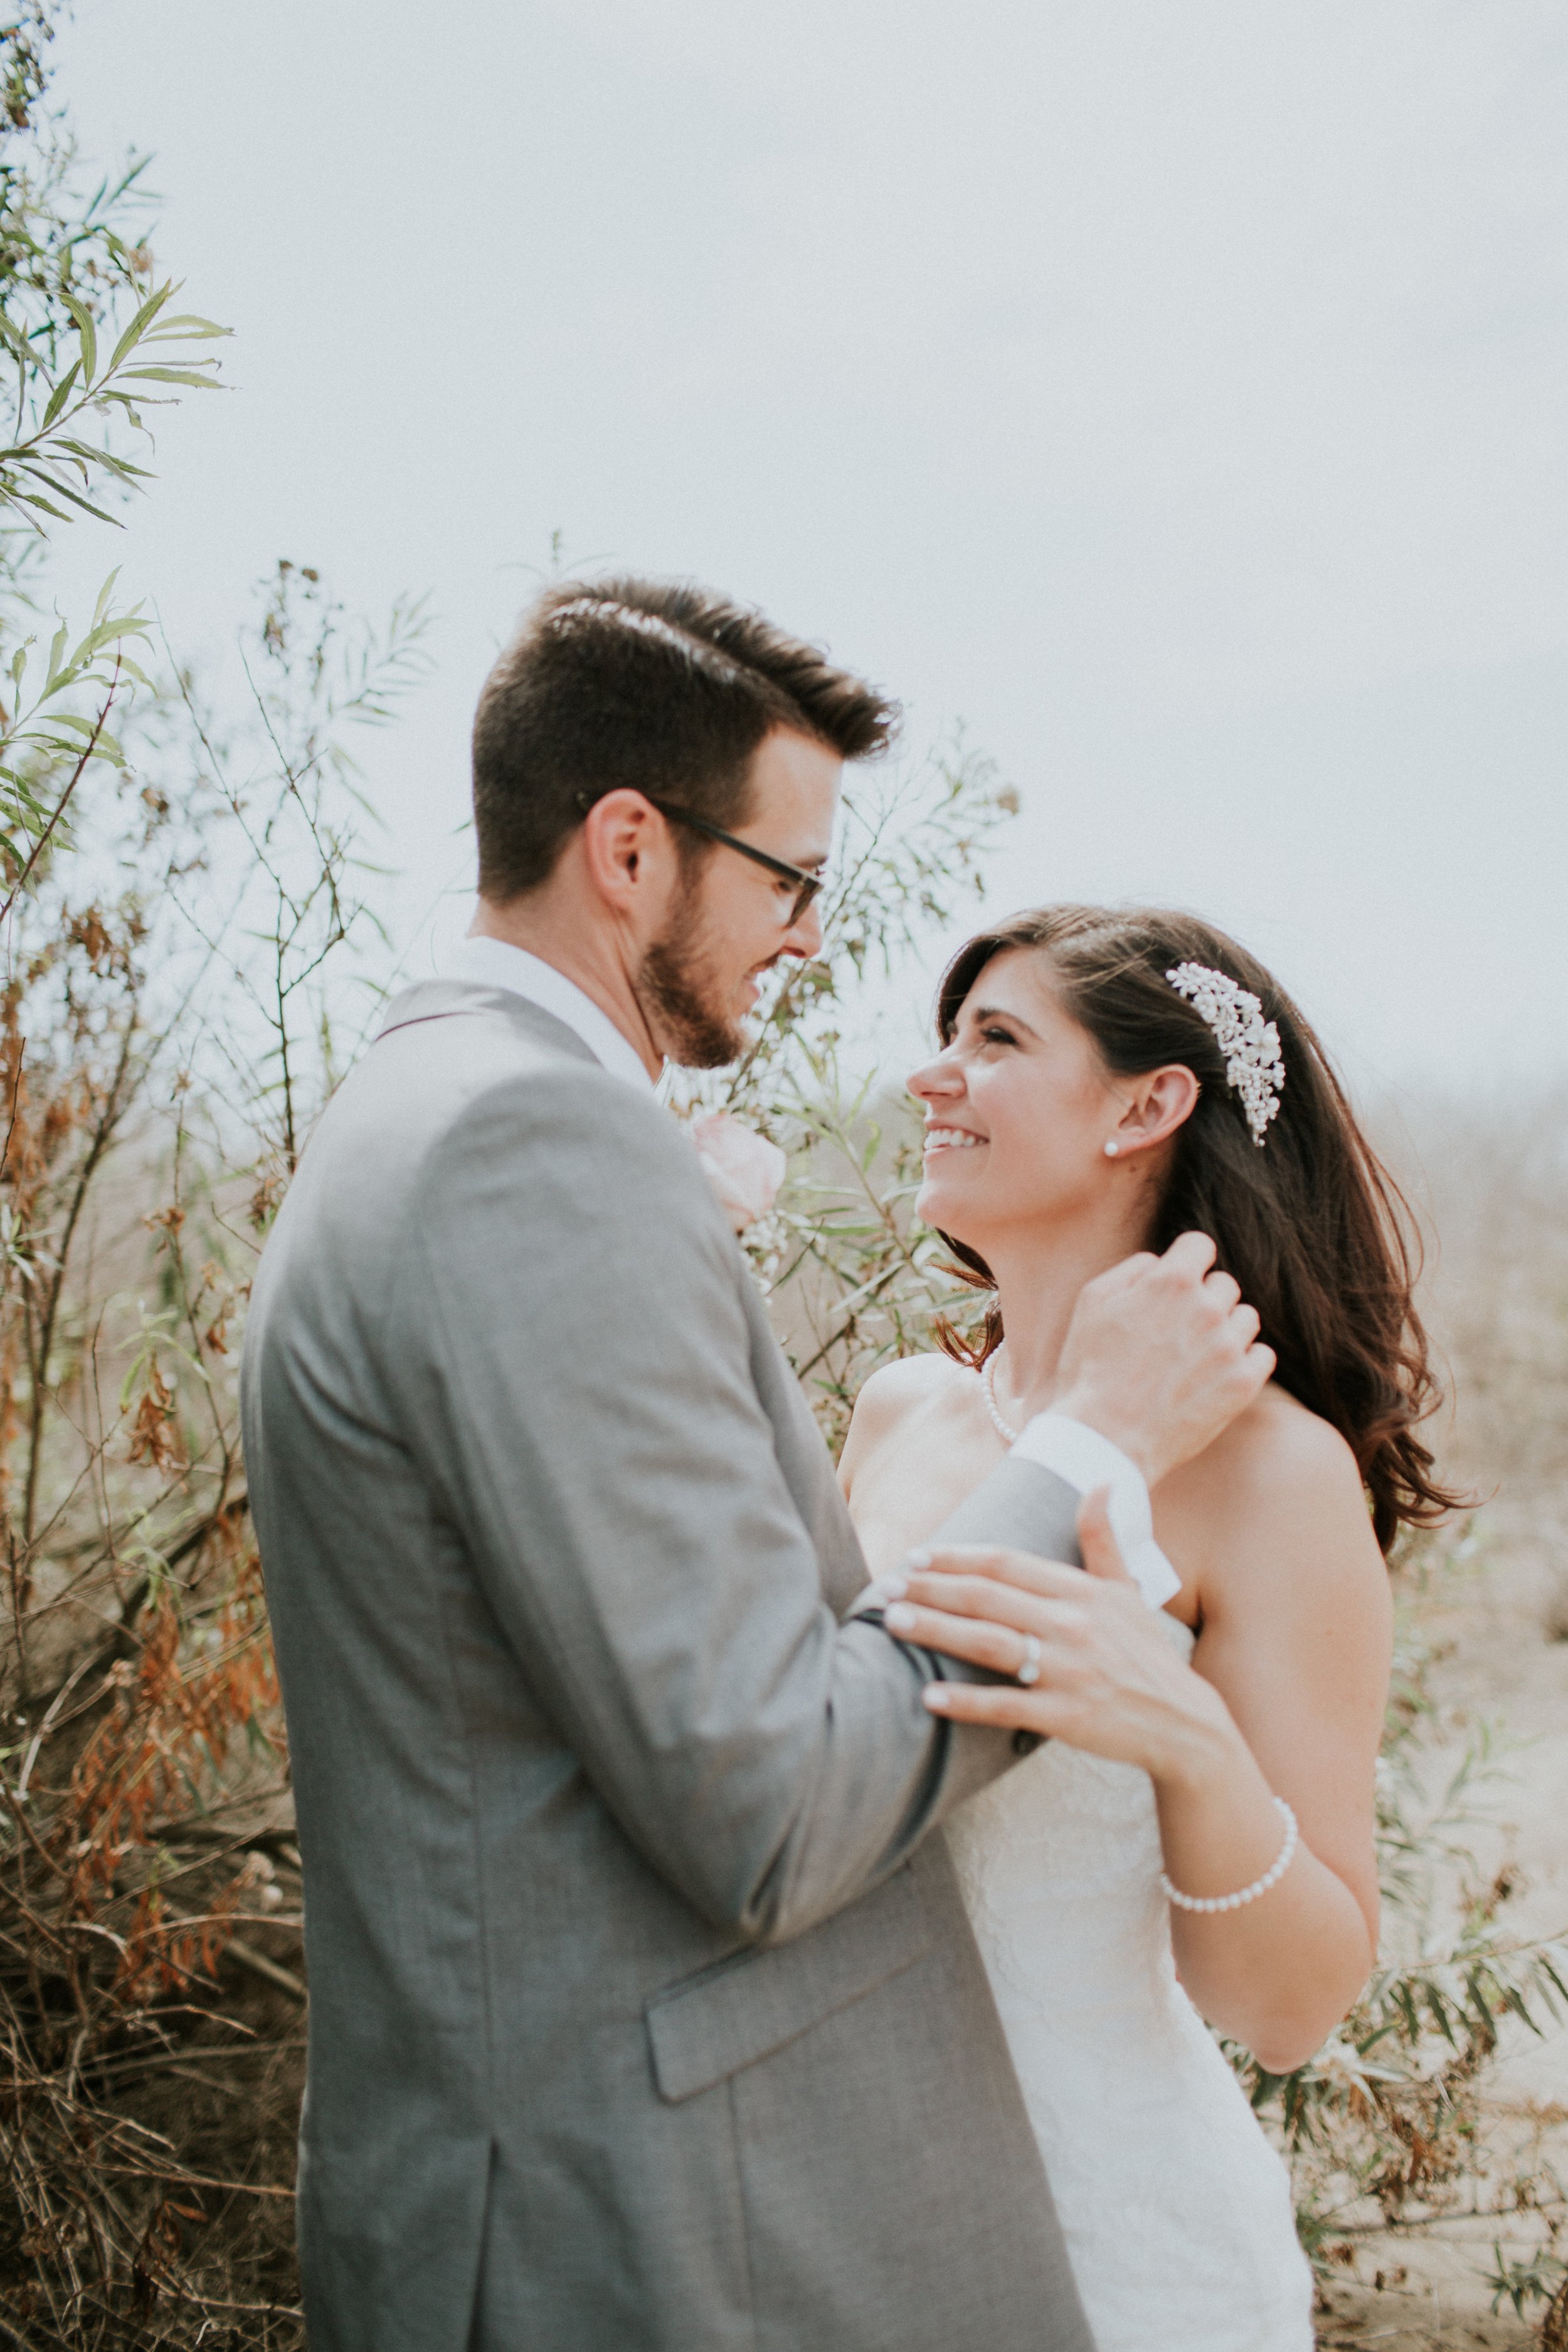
[(1175, 2208)]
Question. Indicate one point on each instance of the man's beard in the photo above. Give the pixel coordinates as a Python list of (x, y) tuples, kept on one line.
[(675, 981)]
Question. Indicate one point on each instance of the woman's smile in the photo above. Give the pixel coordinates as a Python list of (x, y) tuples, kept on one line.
[(941, 1137)]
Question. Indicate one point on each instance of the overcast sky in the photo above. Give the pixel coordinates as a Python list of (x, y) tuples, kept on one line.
[(1176, 395)]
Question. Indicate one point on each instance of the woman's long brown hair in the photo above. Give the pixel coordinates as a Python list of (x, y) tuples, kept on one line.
[(1312, 1226)]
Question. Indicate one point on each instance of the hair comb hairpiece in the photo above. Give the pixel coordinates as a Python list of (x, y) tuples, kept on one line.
[(1254, 1064)]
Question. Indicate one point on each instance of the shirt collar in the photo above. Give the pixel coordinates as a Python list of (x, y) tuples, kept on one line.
[(497, 964)]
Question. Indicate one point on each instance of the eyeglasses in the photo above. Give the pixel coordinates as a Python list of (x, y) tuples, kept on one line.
[(807, 886)]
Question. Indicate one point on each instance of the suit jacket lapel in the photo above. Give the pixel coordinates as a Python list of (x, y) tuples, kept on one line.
[(802, 1456)]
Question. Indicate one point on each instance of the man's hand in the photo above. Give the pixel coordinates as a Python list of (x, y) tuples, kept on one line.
[(1162, 1355)]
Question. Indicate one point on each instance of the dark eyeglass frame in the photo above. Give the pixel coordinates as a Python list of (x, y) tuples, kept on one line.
[(807, 886)]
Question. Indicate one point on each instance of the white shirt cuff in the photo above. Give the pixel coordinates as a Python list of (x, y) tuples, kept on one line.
[(1083, 1458)]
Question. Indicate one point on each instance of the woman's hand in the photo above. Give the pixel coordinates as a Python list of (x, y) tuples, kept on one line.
[(1108, 1679), (1277, 1974)]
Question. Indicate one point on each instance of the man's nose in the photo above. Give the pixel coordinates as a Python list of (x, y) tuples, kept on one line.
[(804, 937)]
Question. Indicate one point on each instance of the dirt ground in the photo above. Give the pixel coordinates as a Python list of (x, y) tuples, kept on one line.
[(1509, 1662), (1402, 2320)]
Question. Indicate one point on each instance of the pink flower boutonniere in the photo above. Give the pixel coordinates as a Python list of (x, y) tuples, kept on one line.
[(744, 1168)]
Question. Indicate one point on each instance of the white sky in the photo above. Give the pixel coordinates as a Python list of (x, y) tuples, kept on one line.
[(1175, 394)]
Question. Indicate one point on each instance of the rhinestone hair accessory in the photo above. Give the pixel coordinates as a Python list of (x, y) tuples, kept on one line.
[(1254, 1065)]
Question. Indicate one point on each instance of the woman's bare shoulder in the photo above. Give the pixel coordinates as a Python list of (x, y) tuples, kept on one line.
[(1279, 1489), (891, 1395), (1283, 1443), (896, 1389)]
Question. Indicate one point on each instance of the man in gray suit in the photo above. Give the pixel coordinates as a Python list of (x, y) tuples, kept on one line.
[(645, 2011)]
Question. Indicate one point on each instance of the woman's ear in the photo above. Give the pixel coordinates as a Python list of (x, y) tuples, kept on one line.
[(1160, 1103)]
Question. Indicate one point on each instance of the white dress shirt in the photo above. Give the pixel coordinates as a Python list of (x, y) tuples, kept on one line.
[(496, 963), (1085, 1460)]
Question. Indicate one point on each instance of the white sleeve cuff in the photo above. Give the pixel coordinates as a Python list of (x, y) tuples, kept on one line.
[(1085, 1460)]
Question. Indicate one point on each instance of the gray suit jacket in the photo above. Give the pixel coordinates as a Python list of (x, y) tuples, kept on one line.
[(645, 2011)]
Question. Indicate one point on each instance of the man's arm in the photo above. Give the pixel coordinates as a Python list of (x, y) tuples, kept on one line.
[(576, 1372), (574, 1362)]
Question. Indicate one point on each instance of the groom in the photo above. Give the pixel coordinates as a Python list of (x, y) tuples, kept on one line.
[(645, 2011)]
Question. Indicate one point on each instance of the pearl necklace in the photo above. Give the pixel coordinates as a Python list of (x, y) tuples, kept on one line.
[(987, 1389)]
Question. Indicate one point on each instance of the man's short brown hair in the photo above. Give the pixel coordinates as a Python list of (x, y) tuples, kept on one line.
[(659, 686)]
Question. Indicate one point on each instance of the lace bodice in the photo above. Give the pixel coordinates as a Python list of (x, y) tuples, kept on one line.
[(1176, 2210)]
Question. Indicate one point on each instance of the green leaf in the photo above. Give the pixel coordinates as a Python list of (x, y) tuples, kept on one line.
[(107, 632), (67, 747), (30, 499), (21, 793), (139, 325), (60, 394), (92, 457), (170, 375), (187, 325), (88, 335), (64, 490)]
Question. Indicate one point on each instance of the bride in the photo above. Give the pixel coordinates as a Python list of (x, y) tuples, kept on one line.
[(1195, 1839)]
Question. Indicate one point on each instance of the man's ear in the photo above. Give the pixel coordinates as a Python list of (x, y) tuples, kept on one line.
[(627, 850), (1161, 1102)]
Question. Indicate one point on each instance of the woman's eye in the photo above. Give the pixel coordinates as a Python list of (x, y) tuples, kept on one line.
[(998, 1037)]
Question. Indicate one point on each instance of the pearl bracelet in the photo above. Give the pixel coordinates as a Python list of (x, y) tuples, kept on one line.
[(1248, 1894)]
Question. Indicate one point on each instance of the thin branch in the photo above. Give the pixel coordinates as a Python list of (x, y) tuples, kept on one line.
[(60, 806)]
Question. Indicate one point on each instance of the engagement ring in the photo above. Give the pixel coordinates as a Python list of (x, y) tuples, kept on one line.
[(1029, 1672)]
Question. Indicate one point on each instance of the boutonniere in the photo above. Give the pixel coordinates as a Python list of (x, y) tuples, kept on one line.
[(744, 1168)]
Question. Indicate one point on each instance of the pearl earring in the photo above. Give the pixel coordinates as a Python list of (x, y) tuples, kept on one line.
[(1111, 1149)]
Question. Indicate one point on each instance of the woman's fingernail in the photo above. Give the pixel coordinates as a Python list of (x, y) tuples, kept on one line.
[(917, 1559), (893, 1586), (900, 1617), (936, 1697)]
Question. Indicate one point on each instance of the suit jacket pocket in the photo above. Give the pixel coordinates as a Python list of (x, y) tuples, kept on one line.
[(712, 2025)]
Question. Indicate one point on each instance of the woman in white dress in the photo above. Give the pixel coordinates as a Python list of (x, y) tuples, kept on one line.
[(1107, 1081)]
